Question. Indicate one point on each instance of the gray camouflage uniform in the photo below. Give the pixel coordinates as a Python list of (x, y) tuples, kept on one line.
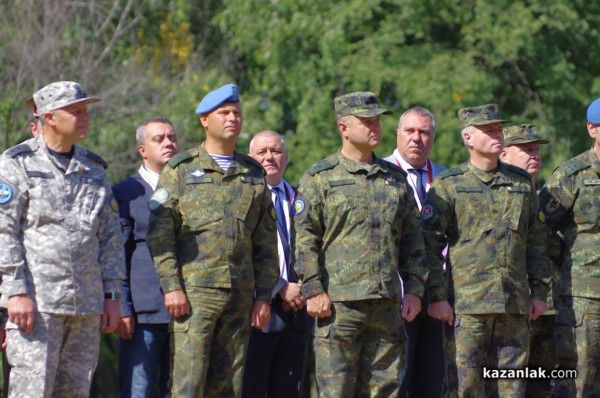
[(62, 247)]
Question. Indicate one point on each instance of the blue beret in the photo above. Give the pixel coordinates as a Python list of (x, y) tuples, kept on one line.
[(593, 112), (226, 93)]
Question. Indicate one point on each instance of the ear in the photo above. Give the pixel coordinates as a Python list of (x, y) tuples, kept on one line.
[(591, 130), (49, 117), (203, 120), (503, 154), (142, 151), (343, 128)]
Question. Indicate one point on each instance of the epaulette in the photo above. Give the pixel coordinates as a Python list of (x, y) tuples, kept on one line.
[(393, 166), (454, 171), (182, 156), (91, 155), (324, 164), (254, 162), (518, 170), (17, 149), (573, 167)]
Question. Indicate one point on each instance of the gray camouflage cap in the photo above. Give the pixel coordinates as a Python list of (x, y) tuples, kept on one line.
[(522, 134), (59, 95), (480, 115), (360, 103)]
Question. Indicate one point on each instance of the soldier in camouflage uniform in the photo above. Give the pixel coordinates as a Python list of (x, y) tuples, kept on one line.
[(356, 228), (213, 236), (522, 149), (570, 204), (487, 212), (62, 260)]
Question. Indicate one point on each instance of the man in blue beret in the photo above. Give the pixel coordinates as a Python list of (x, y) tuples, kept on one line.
[(570, 203), (213, 233)]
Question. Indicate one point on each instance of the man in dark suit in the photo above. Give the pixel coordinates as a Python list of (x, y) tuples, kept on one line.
[(144, 328), (277, 354)]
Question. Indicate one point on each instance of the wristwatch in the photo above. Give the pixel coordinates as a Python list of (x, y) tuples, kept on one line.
[(112, 296)]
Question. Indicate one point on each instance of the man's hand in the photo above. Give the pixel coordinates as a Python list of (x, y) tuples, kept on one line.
[(411, 306), (536, 308), (125, 327), (111, 315), (441, 310), (319, 305), (177, 303), (261, 314), (21, 312), (292, 297)]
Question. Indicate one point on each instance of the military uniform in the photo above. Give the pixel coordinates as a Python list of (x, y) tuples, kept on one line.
[(62, 247), (356, 227), (213, 235), (570, 203), (489, 219)]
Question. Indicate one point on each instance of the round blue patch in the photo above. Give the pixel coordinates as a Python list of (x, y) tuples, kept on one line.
[(160, 197), (427, 212), (298, 207), (6, 193)]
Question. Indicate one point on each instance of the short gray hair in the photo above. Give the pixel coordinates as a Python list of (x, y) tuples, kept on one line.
[(419, 110), (267, 133), (140, 132)]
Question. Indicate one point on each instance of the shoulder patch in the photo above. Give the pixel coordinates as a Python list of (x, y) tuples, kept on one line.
[(454, 171), (158, 199), (518, 170), (17, 149), (324, 164), (298, 207), (427, 212), (179, 158), (6, 193), (91, 155), (573, 167), (254, 162)]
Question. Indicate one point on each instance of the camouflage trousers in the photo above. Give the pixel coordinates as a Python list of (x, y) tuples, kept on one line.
[(541, 355), (577, 346), (496, 341), (57, 359), (209, 344), (359, 349)]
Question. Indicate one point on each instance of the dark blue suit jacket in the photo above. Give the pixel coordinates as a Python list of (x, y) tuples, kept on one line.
[(141, 295)]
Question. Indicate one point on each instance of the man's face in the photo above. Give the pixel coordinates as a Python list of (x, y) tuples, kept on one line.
[(487, 139), (160, 145), (224, 123), (594, 132), (271, 153), (526, 156), (414, 138), (71, 122), (361, 132)]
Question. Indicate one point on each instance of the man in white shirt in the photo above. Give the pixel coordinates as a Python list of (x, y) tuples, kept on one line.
[(277, 353), (423, 372)]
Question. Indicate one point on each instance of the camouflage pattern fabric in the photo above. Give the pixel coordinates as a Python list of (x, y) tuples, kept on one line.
[(362, 331), (570, 204), (577, 346), (210, 344), (541, 355), (497, 245), (356, 228), (497, 341), (496, 262), (57, 359), (61, 239), (210, 229)]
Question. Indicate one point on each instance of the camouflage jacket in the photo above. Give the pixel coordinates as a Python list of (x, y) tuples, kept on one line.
[(214, 229), (497, 246), (570, 203), (60, 237), (356, 226)]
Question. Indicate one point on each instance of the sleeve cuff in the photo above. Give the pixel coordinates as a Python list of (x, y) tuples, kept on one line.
[(312, 288)]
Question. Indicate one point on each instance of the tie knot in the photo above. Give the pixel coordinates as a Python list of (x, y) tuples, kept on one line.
[(416, 171)]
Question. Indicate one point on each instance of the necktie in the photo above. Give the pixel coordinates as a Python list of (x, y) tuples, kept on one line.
[(282, 227), (419, 185)]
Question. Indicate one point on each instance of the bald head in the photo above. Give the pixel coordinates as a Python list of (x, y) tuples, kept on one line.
[(268, 148)]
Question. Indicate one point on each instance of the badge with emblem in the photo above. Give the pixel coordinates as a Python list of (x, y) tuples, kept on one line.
[(6, 193), (427, 212), (197, 173), (113, 204), (160, 197), (298, 207)]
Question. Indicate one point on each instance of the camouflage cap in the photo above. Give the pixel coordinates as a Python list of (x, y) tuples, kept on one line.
[(360, 103), (480, 115), (522, 134), (59, 95)]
